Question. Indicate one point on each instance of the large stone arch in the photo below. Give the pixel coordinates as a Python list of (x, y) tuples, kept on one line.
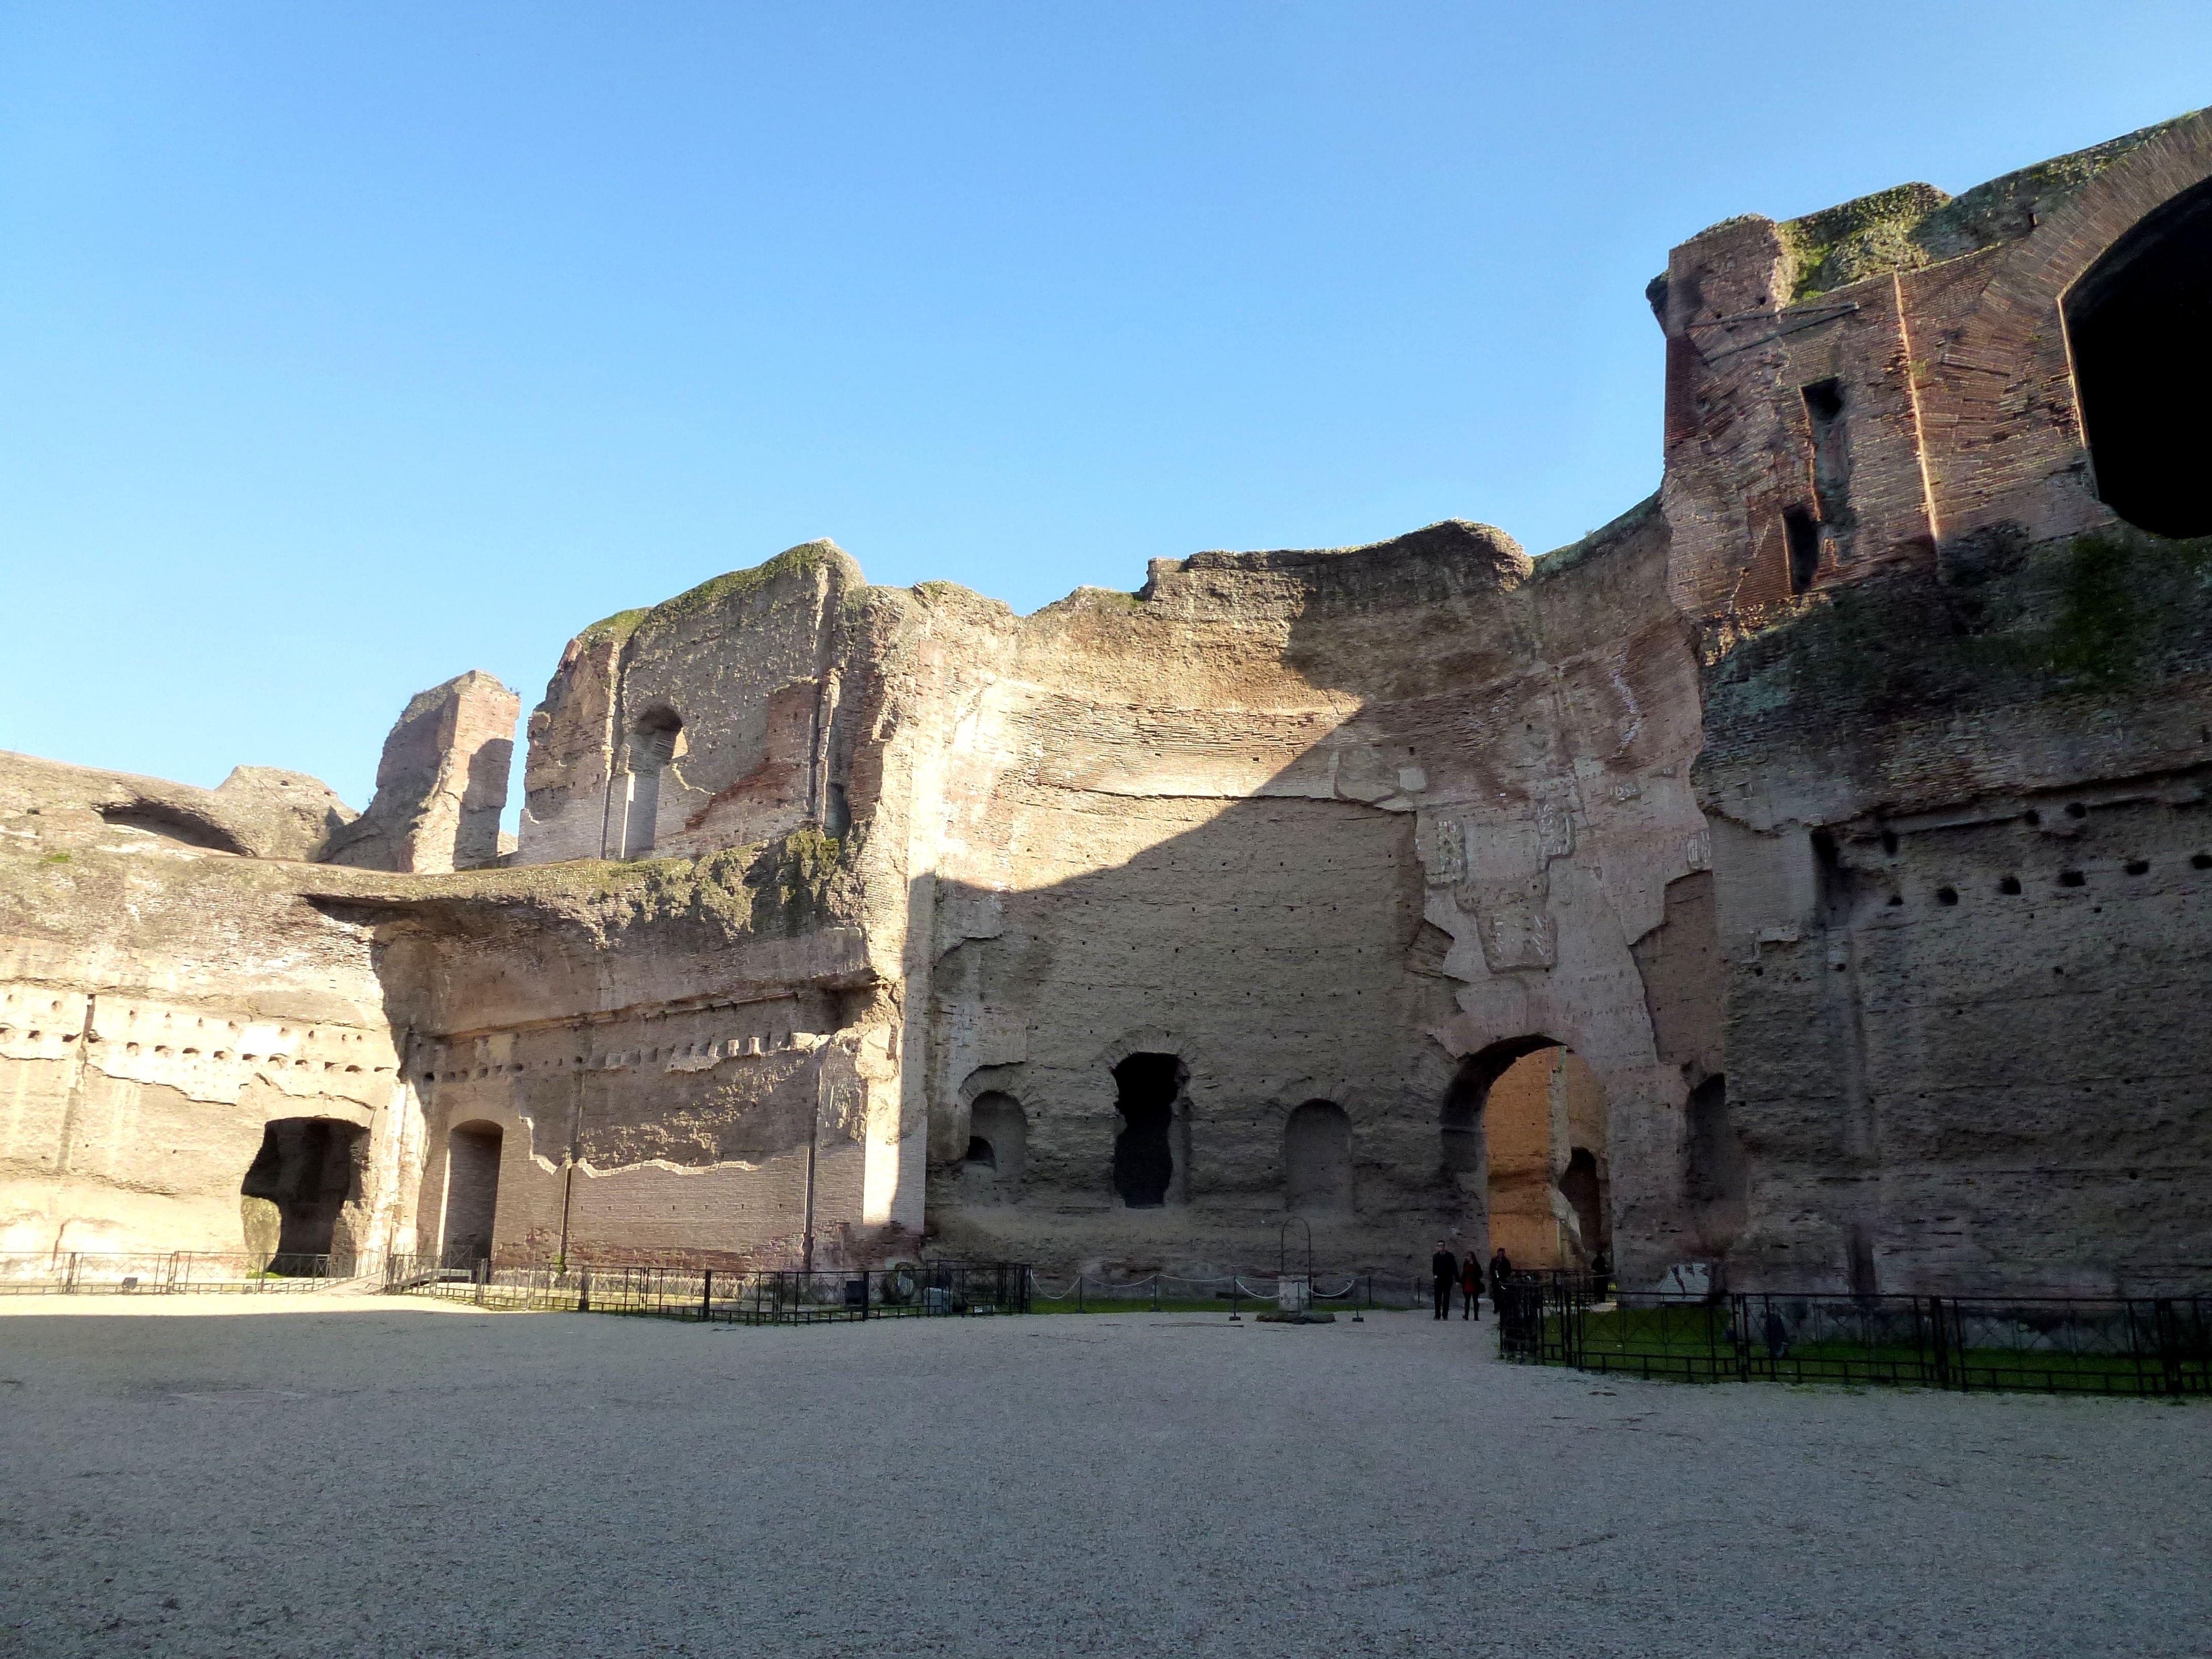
[(2005, 360)]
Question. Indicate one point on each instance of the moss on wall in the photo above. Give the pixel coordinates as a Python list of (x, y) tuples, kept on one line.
[(2008, 623)]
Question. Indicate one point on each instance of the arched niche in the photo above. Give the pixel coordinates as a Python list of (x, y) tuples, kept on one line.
[(653, 741), (1317, 1158), (997, 1146), (472, 1160)]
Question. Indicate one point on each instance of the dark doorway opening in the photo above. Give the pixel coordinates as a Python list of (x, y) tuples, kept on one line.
[(1585, 1195), (471, 1193), (980, 1155), (1146, 1088), (295, 1193), (1715, 1175), (2139, 323)]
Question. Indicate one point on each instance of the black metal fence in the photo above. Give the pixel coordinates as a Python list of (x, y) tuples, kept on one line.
[(755, 1296), (2051, 1345), (170, 1272), (1232, 1293)]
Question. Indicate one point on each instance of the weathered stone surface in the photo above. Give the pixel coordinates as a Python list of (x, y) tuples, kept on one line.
[(442, 784), (258, 812), (1799, 882)]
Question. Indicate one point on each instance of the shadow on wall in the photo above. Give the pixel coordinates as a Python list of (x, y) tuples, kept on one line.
[(1224, 1007)]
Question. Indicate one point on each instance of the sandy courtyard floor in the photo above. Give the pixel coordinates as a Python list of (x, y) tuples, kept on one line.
[(333, 1479)]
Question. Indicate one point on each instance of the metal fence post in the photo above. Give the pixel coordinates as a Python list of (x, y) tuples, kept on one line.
[(1156, 1293), (706, 1297), (2169, 1343), (1078, 1293)]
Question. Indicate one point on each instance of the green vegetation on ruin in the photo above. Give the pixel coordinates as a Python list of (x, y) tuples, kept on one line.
[(793, 561), (1608, 535), (780, 888), (2103, 613), (617, 628), (1909, 226)]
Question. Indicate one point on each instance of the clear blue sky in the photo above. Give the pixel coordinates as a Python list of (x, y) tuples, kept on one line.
[(343, 348)]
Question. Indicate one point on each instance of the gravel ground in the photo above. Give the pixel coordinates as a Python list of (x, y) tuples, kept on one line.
[(334, 1478)]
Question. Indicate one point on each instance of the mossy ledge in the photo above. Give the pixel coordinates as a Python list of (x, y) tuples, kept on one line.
[(780, 888)]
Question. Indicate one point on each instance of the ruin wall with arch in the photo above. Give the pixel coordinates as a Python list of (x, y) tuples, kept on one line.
[(1810, 864)]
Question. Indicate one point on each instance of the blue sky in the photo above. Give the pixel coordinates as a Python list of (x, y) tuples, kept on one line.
[(343, 348)]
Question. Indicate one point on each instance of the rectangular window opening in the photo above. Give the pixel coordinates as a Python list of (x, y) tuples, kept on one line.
[(1803, 531)]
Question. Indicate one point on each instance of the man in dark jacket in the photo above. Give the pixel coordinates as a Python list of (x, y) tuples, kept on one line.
[(1499, 1267), (1445, 1266), (1470, 1286)]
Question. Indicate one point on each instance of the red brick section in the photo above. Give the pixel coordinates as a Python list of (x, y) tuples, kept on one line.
[(1959, 409)]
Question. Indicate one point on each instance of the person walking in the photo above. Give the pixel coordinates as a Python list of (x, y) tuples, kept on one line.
[(1499, 1267), (1470, 1286), (1445, 1266)]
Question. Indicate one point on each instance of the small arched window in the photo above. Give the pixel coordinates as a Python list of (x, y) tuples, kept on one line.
[(652, 746)]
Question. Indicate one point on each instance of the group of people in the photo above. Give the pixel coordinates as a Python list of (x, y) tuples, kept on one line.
[(1451, 1272)]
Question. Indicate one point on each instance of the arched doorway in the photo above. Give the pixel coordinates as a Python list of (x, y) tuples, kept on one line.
[(1317, 1158), (1147, 1088), (471, 1193), (2139, 328), (1523, 1140), (297, 1194)]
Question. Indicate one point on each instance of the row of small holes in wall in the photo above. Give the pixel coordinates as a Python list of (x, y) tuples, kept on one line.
[(647, 1056), (193, 1053), (2010, 885)]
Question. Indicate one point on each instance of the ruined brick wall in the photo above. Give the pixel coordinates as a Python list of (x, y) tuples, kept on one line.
[(1849, 390), (694, 726), (1317, 825), (1838, 811), (1954, 770)]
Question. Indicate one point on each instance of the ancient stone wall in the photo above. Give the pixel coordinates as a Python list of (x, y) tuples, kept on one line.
[(1955, 782), (161, 1002), (1810, 864)]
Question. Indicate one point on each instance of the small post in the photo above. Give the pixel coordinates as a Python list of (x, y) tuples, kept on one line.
[(1235, 1296), (706, 1297), (1156, 1293), (583, 1290), (1078, 1293)]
